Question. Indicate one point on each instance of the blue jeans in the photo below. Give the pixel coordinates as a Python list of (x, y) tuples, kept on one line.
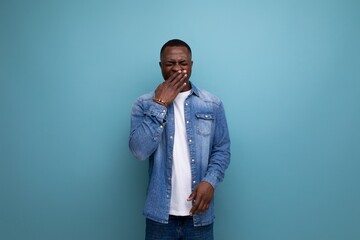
[(178, 228)]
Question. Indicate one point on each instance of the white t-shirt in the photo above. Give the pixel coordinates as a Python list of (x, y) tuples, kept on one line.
[(181, 169)]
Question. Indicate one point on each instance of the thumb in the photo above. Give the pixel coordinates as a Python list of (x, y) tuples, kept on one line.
[(192, 196)]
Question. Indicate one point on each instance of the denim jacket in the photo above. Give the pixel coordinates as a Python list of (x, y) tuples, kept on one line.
[(151, 137)]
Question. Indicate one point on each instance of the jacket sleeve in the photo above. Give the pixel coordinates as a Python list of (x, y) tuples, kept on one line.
[(147, 125), (219, 158)]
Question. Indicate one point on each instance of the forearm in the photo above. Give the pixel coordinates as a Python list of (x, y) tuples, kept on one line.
[(218, 163), (147, 127), (219, 158)]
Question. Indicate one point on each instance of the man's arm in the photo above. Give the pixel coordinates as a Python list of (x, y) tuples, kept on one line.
[(220, 152), (218, 162), (147, 125)]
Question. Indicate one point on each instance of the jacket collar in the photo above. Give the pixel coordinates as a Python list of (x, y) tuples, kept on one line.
[(194, 90)]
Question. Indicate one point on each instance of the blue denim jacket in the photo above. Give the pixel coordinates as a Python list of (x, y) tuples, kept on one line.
[(151, 137)]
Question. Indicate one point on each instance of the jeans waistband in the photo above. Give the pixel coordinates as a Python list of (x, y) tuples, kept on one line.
[(173, 217)]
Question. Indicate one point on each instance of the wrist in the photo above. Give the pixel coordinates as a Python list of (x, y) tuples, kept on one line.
[(160, 101)]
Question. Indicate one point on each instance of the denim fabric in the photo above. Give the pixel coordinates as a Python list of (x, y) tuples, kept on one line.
[(151, 137), (178, 228)]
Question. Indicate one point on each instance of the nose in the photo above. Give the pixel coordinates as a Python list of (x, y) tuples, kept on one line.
[(177, 67)]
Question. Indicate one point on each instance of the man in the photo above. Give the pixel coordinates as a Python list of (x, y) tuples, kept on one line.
[(182, 130)]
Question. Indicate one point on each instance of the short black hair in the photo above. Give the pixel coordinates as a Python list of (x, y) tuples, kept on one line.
[(175, 43)]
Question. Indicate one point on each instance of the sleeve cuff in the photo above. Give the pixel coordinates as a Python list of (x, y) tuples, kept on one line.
[(212, 179), (158, 111)]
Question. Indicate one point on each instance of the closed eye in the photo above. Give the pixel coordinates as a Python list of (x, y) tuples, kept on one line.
[(170, 64)]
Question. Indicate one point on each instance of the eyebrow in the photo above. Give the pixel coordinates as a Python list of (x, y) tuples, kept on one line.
[(172, 61)]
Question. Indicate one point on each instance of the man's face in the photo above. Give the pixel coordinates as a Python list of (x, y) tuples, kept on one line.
[(174, 59)]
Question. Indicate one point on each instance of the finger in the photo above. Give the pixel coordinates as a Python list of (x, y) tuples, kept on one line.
[(196, 204), (180, 75), (201, 207), (181, 83), (198, 207), (174, 77), (182, 86), (191, 196), (193, 210)]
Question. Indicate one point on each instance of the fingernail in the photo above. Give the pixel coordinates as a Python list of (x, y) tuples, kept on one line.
[(184, 71), (185, 75)]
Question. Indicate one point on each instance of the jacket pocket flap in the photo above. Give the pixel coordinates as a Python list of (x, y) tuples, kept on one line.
[(206, 116)]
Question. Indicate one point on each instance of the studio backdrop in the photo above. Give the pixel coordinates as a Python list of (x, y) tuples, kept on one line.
[(288, 73)]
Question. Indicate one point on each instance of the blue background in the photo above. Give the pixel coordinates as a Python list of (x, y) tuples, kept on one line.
[(288, 73)]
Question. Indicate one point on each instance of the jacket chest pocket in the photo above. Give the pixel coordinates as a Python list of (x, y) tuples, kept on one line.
[(204, 123)]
